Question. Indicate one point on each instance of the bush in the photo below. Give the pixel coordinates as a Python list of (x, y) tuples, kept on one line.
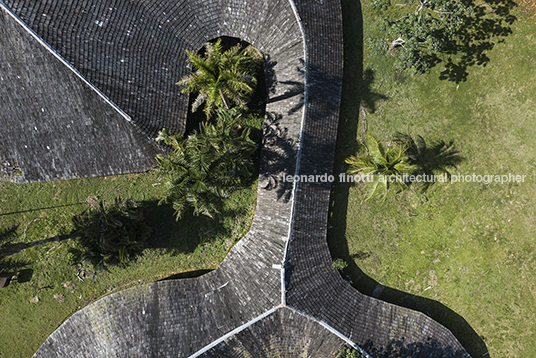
[(339, 264), (345, 352)]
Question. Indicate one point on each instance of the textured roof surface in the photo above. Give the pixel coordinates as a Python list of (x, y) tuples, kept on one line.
[(275, 294), (283, 334), (54, 125)]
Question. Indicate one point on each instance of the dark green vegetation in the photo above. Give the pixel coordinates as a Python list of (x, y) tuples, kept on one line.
[(422, 34), (110, 235), (221, 76), (398, 163), (209, 164), (345, 352), (215, 156), (383, 167), (462, 253)]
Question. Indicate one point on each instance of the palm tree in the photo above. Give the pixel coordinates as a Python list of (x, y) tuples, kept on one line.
[(205, 166), (383, 167), (220, 78), (111, 234)]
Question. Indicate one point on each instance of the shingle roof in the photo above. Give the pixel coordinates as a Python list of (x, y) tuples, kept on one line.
[(54, 124), (282, 334), (276, 288)]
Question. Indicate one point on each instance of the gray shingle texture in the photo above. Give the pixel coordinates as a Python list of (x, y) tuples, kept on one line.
[(134, 53), (283, 334), (54, 125)]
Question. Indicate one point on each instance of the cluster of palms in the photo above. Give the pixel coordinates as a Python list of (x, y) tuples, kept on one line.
[(208, 164), (390, 167)]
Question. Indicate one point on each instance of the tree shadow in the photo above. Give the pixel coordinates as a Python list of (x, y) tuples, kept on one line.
[(369, 98), (270, 77), (490, 24), (347, 145), (9, 266), (295, 88), (277, 150), (15, 248), (431, 159), (429, 348), (186, 234), (7, 235), (46, 208)]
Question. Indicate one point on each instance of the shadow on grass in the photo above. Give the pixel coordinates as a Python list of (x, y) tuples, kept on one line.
[(47, 208), (431, 159), (188, 233), (9, 266), (346, 145), (491, 21)]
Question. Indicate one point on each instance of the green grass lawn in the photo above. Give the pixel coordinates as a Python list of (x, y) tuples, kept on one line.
[(42, 210), (462, 253)]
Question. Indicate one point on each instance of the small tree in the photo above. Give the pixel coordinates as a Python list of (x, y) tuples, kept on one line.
[(221, 78), (111, 234), (418, 31), (384, 167), (207, 165)]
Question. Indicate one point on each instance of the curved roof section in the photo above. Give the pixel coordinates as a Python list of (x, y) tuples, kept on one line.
[(54, 124), (282, 268)]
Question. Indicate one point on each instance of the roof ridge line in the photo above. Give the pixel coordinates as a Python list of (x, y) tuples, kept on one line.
[(332, 330), (63, 60), (234, 331), (73, 69), (299, 152)]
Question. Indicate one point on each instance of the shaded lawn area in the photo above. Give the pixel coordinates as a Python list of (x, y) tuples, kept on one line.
[(462, 253), (42, 210)]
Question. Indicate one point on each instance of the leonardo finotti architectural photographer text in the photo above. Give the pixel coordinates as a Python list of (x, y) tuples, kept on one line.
[(406, 178)]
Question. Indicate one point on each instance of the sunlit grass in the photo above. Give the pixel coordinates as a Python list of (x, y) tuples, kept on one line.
[(468, 246)]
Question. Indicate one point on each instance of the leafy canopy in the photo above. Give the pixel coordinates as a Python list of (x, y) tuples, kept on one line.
[(418, 31), (221, 78), (382, 166), (207, 165)]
